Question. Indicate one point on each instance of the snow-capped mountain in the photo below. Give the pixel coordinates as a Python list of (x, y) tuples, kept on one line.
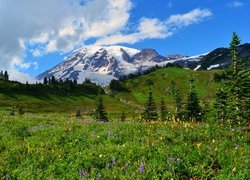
[(189, 61), (102, 64)]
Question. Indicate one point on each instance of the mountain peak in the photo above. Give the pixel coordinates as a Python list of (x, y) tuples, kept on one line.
[(101, 64)]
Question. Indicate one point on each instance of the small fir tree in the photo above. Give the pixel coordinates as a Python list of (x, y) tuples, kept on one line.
[(177, 101), (21, 111), (123, 116), (220, 105), (78, 113), (6, 76), (45, 80), (1, 75), (100, 113), (150, 112), (164, 111), (193, 108), (12, 113)]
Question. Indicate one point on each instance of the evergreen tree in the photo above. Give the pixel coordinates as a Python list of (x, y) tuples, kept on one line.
[(238, 85), (100, 113), (164, 111), (123, 117), (193, 108), (75, 81), (177, 100), (220, 104), (78, 113), (45, 80), (150, 112), (1, 75), (21, 110), (12, 113), (6, 76), (53, 79)]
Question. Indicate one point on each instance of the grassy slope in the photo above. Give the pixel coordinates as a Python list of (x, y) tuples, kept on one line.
[(138, 91), (32, 101), (138, 88)]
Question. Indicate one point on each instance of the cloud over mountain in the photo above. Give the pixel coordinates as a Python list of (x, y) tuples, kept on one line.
[(61, 26)]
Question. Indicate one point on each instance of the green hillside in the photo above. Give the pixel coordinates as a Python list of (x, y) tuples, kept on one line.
[(69, 98), (53, 98), (136, 89)]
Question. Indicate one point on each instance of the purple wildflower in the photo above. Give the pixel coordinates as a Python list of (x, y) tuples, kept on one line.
[(83, 173), (107, 165), (113, 161), (110, 134), (142, 168)]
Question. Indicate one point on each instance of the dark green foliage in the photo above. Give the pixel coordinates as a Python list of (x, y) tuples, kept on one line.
[(123, 116), (12, 113), (116, 85), (78, 113), (164, 112), (21, 110), (1, 75), (220, 105), (193, 108), (150, 111), (237, 86), (100, 113), (45, 80), (177, 100), (6, 76)]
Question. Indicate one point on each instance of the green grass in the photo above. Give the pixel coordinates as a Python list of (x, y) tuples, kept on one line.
[(59, 146), (160, 81)]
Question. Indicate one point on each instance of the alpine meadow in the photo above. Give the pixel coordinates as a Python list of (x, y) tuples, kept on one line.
[(115, 107)]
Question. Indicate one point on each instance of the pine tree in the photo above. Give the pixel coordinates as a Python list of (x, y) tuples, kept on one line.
[(238, 85), (53, 80), (78, 113), (1, 75), (177, 100), (123, 117), (75, 81), (100, 113), (150, 112), (220, 105), (164, 111), (193, 108), (6, 76), (21, 110), (45, 80)]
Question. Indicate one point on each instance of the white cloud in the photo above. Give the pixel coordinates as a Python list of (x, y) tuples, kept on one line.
[(55, 26), (21, 77), (235, 4), (61, 26), (154, 28)]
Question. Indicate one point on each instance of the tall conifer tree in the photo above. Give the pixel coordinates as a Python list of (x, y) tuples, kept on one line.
[(150, 112), (100, 113), (193, 108)]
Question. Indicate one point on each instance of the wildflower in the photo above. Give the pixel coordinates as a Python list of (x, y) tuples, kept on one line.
[(199, 146), (113, 161), (107, 165), (83, 173), (126, 164), (100, 156), (110, 134), (142, 168)]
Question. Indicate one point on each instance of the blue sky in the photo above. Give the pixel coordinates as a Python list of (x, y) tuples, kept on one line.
[(37, 35)]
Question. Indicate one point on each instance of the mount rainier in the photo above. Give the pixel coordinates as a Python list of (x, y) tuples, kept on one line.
[(102, 64)]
